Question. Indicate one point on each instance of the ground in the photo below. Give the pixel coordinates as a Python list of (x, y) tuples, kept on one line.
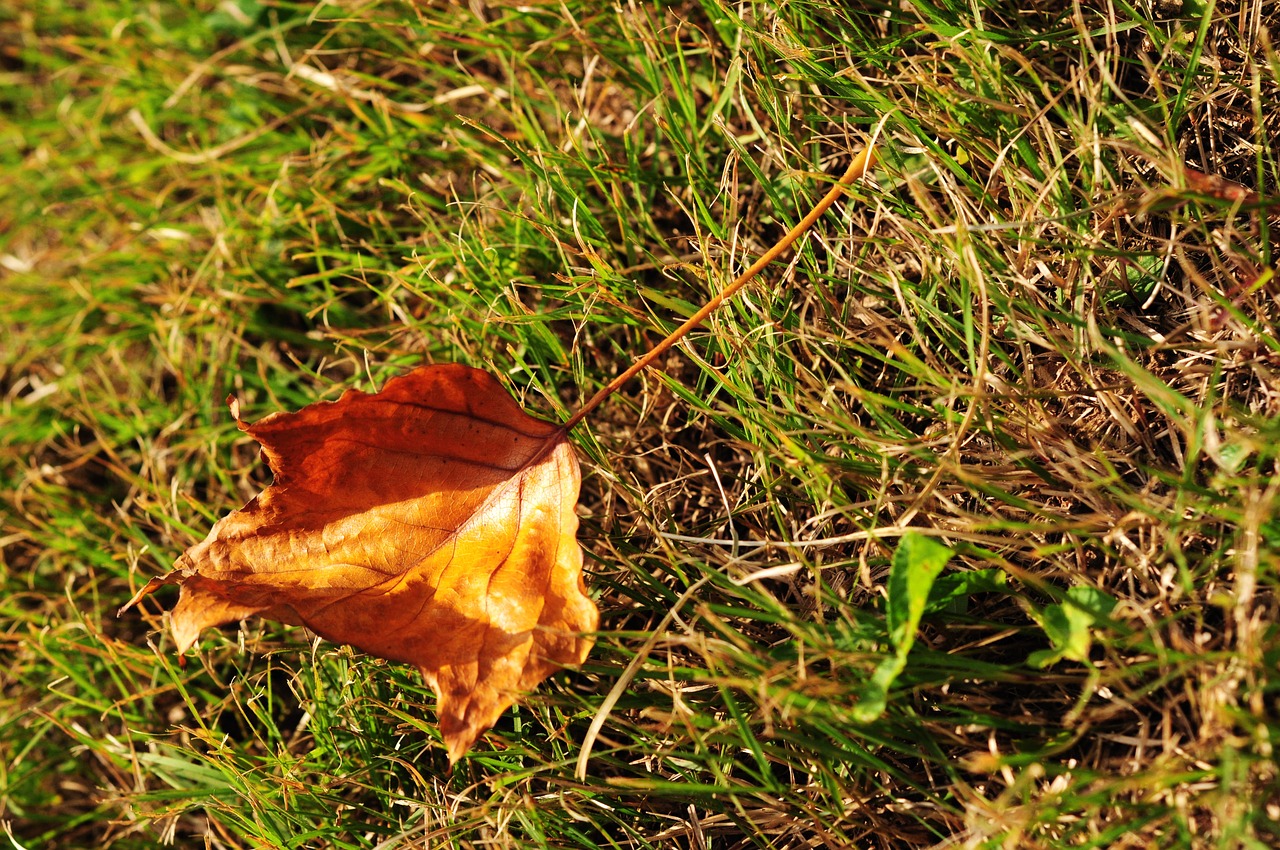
[(1036, 349)]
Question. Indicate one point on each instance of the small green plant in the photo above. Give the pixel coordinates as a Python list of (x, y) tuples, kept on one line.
[(917, 562), (1069, 625)]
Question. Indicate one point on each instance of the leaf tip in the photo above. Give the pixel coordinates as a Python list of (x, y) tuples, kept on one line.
[(146, 590)]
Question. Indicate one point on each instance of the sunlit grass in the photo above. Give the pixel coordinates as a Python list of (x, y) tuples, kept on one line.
[(1033, 335)]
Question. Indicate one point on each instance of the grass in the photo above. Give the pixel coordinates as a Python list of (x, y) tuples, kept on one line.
[(1043, 336)]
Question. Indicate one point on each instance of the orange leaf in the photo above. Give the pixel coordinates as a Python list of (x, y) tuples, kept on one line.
[(431, 523)]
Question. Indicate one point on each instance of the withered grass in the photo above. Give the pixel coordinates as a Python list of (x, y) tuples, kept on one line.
[(1043, 333)]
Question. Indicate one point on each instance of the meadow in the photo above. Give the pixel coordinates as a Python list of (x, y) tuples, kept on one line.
[(1036, 344)]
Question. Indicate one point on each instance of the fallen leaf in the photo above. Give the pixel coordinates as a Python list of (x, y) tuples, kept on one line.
[(1219, 187), (430, 523)]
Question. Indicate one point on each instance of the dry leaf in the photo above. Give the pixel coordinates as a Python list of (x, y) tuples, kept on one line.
[(431, 523), (1219, 187)]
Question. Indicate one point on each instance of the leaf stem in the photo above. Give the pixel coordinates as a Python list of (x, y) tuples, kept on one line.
[(861, 163)]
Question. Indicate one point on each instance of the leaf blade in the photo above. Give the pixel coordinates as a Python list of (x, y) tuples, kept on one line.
[(431, 523)]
